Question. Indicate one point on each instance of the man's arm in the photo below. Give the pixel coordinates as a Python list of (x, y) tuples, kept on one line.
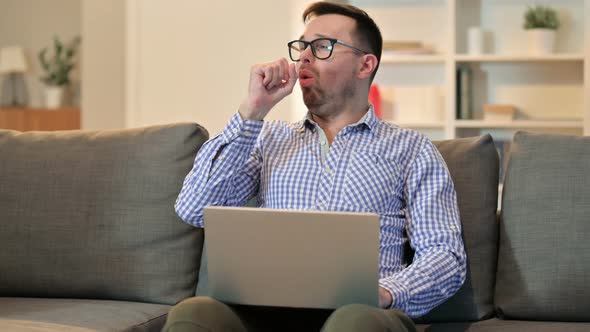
[(227, 168), (225, 171), (434, 228)]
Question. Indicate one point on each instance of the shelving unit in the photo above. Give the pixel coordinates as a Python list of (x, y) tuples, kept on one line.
[(579, 57), (520, 124), (39, 119), (393, 59), (551, 92), (421, 125)]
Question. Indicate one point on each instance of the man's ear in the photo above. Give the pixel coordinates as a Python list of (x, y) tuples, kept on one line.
[(367, 66)]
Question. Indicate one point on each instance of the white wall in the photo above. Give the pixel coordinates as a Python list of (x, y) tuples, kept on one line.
[(104, 70), (190, 60), (32, 24)]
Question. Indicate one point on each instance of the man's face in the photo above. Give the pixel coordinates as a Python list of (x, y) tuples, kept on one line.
[(329, 81)]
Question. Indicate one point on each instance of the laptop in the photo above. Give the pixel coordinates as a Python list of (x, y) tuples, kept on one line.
[(288, 258)]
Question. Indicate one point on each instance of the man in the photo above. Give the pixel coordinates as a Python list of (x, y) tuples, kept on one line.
[(340, 157)]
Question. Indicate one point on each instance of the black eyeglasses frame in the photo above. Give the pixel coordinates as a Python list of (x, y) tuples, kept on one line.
[(332, 41)]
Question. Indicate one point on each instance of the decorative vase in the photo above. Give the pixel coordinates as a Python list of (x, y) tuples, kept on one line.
[(541, 41), (54, 96), (475, 41)]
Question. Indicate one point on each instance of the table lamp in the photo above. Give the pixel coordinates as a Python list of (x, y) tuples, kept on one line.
[(13, 65)]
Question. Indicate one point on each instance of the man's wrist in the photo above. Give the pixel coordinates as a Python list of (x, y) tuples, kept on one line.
[(385, 298), (248, 111)]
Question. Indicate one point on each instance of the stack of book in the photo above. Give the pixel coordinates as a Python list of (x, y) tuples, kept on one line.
[(497, 112), (405, 48)]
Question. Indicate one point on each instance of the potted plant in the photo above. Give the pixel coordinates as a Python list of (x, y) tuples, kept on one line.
[(57, 67), (541, 23)]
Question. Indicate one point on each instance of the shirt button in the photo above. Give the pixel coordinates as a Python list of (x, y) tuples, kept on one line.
[(235, 131), (247, 134), (323, 142)]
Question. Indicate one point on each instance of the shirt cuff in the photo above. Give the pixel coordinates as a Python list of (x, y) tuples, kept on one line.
[(242, 131), (399, 293)]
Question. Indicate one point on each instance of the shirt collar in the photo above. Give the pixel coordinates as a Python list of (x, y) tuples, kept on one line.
[(369, 120)]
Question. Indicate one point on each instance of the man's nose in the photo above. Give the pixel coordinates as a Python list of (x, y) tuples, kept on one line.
[(307, 55)]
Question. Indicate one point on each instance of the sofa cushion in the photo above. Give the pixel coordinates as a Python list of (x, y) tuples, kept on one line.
[(91, 214), (473, 164), (544, 255), (59, 315), (492, 325)]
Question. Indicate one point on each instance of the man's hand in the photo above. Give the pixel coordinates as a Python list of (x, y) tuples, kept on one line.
[(269, 84), (385, 298)]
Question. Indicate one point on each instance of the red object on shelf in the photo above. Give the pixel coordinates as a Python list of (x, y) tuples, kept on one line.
[(375, 99)]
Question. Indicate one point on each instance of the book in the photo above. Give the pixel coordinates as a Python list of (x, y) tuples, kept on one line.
[(399, 45), (497, 112), (464, 91), (408, 51), (405, 48)]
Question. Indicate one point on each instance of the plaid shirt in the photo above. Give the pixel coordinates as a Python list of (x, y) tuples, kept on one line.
[(371, 166)]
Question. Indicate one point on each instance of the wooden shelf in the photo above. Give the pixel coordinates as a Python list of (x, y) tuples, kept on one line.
[(518, 124), (418, 125), (39, 119), (418, 58), (574, 57)]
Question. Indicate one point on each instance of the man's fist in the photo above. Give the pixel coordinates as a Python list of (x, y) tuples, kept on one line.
[(269, 84)]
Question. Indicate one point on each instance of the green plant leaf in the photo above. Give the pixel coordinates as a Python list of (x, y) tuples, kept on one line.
[(57, 67), (541, 17)]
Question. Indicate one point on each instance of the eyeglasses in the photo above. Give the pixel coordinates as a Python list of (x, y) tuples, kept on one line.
[(321, 48)]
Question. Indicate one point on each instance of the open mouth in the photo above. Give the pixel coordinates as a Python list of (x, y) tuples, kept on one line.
[(305, 78)]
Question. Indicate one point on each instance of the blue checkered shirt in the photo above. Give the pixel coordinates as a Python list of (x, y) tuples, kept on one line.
[(371, 166)]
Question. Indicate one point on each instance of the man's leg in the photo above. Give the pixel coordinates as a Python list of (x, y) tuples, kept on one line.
[(202, 314), (206, 314), (359, 317)]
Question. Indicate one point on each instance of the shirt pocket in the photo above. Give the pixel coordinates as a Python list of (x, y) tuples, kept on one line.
[(372, 183)]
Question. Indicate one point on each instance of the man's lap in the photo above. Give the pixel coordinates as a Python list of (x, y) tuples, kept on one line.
[(211, 315)]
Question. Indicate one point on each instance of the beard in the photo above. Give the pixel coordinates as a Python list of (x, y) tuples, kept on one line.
[(315, 97)]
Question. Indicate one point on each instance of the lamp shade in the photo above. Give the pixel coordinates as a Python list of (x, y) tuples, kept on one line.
[(12, 60)]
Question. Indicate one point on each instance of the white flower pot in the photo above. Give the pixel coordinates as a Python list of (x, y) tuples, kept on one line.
[(54, 96), (541, 41)]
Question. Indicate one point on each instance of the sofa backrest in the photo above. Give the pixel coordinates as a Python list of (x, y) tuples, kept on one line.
[(91, 214), (473, 164), (544, 254)]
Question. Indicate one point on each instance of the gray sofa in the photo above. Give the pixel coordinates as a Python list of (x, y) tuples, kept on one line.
[(529, 265), (89, 240)]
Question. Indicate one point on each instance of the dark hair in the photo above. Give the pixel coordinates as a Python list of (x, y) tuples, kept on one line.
[(367, 32)]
